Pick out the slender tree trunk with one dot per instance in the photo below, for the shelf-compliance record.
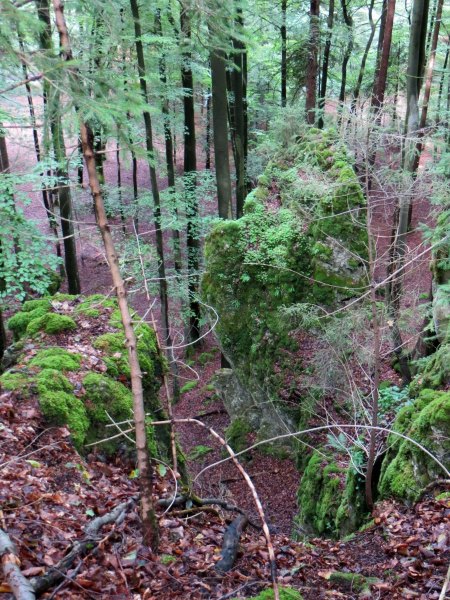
(283, 53)
(239, 120)
(49, 209)
(220, 133)
(326, 60)
(154, 181)
(4, 168)
(441, 84)
(312, 67)
(428, 81)
(190, 180)
(119, 184)
(379, 86)
(208, 132)
(362, 68)
(348, 20)
(51, 103)
(169, 150)
(150, 528)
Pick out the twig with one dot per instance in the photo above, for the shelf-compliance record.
(445, 586)
(230, 545)
(20, 586)
(56, 574)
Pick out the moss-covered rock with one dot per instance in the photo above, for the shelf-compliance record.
(116, 356)
(17, 381)
(302, 239)
(51, 323)
(62, 408)
(103, 394)
(93, 306)
(19, 322)
(236, 434)
(330, 498)
(406, 468)
(52, 380)
(353, 582)
(56, 358)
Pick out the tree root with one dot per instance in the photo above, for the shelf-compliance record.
(230, 545)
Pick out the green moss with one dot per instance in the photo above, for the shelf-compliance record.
(92, 306)
(104, 394)
(199, 452)
(285, 593)
(190, 385)
(16, 381)
(19, 322)
(59, 297)
(52, 380)
(51, 323)
(205, 357)
(167, 559)
(236, 434)
(61, 408)
(354, 582)
(56, 358)
(31, 305)
(434, 371)
(116, 355)
(406, 468)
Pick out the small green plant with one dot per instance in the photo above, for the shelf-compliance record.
(392, 399)
(199, 452)
(190, 385)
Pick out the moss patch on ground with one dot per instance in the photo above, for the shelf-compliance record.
(93, 306)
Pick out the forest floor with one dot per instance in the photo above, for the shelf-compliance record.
(404, 548)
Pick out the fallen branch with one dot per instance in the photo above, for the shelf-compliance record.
(230, 545)
(56, 574)
(20, 586)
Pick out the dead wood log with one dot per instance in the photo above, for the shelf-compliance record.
(57, 573)
(230, 544)
(20, 586)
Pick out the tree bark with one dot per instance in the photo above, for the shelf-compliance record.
(379, 86)
(220, 132)
(312, 68)
(51, 103)
(150, 528)
(190, 179)
(284, 53)
(239, 120)
(326, 60)
(362, 68)
(348, 20)
(154, 181)
(441, 84)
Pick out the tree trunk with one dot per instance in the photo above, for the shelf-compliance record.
(190, 180)
(326, 60)
(441, 84)
(283, 53)
(428, 81)
(150, 528)
(154, 181)
(348, 20)
(312, 67)
(51, 104)
(379, 86)
(239, 120)
(169, 150)
(208, 132)
(362, 68)
(220, 133)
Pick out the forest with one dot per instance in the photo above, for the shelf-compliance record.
(224, 299)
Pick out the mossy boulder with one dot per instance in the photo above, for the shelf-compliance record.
(50, 323)
(52, 380)
(18, 381)
(56, 358)
(407, 469)
(62, 408)
(93, 306)
(330, 498)
(18, 324)
(103, 395)
(236, 434)
(302, 240)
